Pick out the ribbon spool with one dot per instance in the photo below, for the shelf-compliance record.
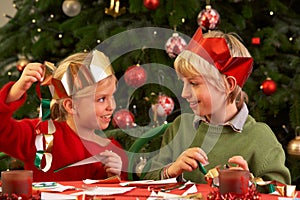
(294, 145)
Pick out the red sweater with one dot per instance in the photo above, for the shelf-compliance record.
(17, 139)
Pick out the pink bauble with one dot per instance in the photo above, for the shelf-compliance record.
(175, 45)
(135, 76)
(164, 105)
(208, 18)
(123, 119)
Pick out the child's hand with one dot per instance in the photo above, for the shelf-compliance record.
(32, 72)
(187, 161)
(112, 163)
(240, 161)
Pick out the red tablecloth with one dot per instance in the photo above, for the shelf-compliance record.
(144, 193)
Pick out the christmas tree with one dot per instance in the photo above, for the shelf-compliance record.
(45, 30)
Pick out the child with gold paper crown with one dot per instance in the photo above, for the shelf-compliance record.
(59, 149)
(213, 69)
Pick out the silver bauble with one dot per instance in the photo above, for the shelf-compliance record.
(71, 7)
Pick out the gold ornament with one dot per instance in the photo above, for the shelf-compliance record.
(114, 9)
(294, 145)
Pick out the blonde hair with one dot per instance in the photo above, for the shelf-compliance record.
(189, 64)
(57, 109)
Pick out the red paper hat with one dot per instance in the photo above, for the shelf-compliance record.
(216, 52)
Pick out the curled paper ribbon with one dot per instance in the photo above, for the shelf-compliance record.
(45, 128)
(43, 144)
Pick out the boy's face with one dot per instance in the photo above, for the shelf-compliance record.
(204, 99)
(95, 111)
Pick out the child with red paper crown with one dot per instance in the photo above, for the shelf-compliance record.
(65, 147)
(214, 68)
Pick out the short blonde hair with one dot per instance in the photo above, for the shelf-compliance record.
(189, 64)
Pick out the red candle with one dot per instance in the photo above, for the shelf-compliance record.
(17, 182)
(233, 181)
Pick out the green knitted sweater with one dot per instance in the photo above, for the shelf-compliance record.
(256, 143)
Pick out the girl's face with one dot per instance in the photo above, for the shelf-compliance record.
(95, 111)
(205, 99)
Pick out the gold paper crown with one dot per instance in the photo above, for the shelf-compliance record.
(77, 76)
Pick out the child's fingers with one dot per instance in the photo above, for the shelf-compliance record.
(240, 161)
(34, 70)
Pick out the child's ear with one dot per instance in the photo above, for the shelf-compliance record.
(68, 105)
(231, 83)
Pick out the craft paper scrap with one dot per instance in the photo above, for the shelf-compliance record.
(44, 184)
(51, 186)
(114, 179)
(92, 159)
(162, 195)
(56, 196)
(149, 182)
(103, 191)
(191, 190)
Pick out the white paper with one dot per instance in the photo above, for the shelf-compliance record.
(92, 159)
(191, 190)
(150, 182)
(162, 195)
(102, 191)
(56, 196)
(90, 181)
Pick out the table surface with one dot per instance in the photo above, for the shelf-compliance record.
(144, 193)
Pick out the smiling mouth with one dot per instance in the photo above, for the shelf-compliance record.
(193, 103)
(106, 117)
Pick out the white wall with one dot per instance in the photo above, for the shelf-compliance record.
(6, 7)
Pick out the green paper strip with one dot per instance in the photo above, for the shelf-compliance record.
(45, 109)
(271, 188)
(38, 159)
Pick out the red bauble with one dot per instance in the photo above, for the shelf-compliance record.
(151, 4)
(164, 105)
(175, 45)
(255, 41)
(208, 18)
(135, 76)
(268, 87)
(123, 119)
(21, 64)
